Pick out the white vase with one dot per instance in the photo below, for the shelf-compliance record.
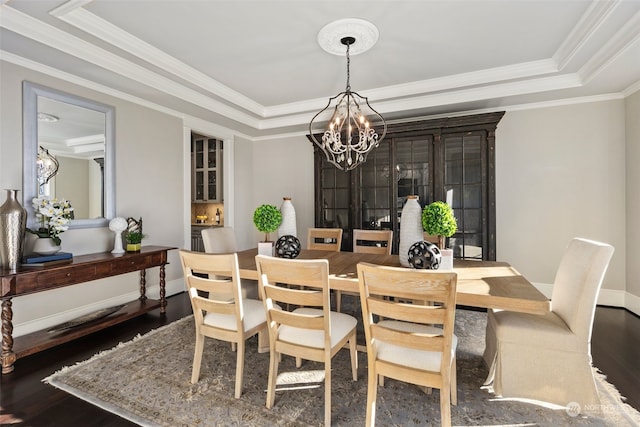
(288, 225)
(45, 246)
(410, 228)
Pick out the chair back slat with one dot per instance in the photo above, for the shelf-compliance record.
(298, 320)
(300, 297)
(428, 314)
(417, 341)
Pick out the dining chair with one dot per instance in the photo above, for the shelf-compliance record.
(325, 239)
(368, 242)
(222, 240)
(548, 357)
(372, 241)
(312, 331)
(413, 343)
(223, 315)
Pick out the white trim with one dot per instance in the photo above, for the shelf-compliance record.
(171, 287)
(612, 49)
(53, 37)
(589, 23)
(632, 303)
(186, 186)
(608, 297)
(104, 30)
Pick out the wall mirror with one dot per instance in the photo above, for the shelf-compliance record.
(69, 153)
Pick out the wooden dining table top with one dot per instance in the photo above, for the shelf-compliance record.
(484, 284)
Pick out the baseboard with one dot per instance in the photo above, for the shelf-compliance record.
(608, 297)
(171, 288)
(632, 303)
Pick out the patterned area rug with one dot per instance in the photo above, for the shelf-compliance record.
(147, 381)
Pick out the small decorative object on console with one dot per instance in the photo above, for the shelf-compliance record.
(118, 225)
(288, 246)
(133, 236)
(53, 215)
(424, 255)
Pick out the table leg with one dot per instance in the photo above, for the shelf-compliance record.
(163, 298)
(143, 285)
(8, 356)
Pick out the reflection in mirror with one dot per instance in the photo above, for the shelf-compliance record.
(69, 153)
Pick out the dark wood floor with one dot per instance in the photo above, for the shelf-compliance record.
(26, 401)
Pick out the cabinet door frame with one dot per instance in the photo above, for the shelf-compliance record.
(205, 170)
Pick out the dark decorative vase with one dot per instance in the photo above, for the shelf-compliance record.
(13, 220)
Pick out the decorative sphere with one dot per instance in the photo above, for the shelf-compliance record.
(424, 255)
(288, 246)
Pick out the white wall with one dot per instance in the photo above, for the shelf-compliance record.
(149, 181)
(281, 168)
(560, 174)
(633, 201)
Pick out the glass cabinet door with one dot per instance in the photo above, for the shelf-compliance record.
(464, 186)
(206, 177)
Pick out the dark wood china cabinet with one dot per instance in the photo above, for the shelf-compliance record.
(450, 159)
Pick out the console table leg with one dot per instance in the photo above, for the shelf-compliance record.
(143, 285)
(8, 356)
(163, 299)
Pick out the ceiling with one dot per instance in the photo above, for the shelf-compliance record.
(256, 66)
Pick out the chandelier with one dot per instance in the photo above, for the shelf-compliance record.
(350, 134)
(46, 166)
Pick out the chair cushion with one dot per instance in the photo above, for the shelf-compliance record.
(418, 359)
(254, 314)
(341, 325)
(547, 330)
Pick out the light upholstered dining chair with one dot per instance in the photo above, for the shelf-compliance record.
(548, 357)
(413, 343)
(312, 331)
(325, 239)
(224, 314)
(222, 240)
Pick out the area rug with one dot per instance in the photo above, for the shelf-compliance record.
(147, 381)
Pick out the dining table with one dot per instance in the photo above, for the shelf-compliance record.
(482, 284)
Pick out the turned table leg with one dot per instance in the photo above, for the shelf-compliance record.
(8, 356)
(163, 298)
(143, 285)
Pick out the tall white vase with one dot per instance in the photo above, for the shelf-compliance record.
(288, 225)
(410, 228)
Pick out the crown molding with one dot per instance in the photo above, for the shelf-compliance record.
(104, 30)
(48, 35)
(623, 39)
(586, 27)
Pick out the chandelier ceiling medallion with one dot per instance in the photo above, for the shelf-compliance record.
(349, 135)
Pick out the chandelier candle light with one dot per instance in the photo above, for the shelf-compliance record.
(350, 135)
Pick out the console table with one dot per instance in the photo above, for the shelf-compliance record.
(83, 268)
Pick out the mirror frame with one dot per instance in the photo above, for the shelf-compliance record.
(30, 94)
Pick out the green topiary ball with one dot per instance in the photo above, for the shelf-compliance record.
(438, 220)
(267, 218)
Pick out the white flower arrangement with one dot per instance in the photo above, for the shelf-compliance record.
(53, 215)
